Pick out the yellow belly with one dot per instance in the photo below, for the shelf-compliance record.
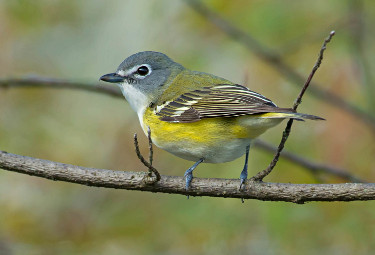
(214, 139)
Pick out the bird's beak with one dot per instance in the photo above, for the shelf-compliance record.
(112, 78)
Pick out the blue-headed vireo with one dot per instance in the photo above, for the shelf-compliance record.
(194, 115)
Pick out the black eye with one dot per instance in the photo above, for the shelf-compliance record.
(142, 70)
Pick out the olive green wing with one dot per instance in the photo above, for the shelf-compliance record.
(217, 101)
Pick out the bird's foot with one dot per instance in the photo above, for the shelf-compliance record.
(243, 177)
(188, 178)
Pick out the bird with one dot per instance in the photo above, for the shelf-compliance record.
(194, 115)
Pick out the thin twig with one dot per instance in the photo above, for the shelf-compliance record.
(287, 192)
(274, 59)
(260, 176)
(43, 82)
(315, 68)
(37, 81)
(144, 162)
(151, 150)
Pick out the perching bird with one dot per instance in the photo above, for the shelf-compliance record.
(193, 115)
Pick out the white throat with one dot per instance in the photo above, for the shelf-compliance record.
(137, 100)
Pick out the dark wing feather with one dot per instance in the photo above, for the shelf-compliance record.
(218, 101)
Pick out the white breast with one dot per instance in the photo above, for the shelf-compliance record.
(214, 153)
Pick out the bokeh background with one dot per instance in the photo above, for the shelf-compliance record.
(81, 40)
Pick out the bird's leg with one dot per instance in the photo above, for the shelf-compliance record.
(189, 173)
(243, 175)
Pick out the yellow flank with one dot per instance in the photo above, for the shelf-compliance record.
(275, 115)
(207, 131)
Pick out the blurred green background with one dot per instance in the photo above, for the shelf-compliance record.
(81, 40)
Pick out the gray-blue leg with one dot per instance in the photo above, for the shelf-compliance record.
(243, 175)
(189, 173)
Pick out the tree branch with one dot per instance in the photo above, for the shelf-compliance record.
(43, 82)
(296, 193)
(274, 60)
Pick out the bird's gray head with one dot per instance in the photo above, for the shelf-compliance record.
(146, 71)
(142, 77)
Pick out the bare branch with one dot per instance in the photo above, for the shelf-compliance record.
(274, 60)
(144, 162)
(37, 81)
(296, 193)
(43, 82)
(315, 68)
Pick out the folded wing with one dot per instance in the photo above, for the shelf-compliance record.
(217, 101)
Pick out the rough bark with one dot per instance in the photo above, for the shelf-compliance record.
(287, 192)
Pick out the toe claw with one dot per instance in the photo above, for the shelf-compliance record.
(188, 179)
(242, 182)
(243, 178)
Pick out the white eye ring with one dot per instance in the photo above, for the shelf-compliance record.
(136, 71)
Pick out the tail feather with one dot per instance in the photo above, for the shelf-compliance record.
(306, 116)
(291, 115)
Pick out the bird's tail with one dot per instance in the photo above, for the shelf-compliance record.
(290, 115)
